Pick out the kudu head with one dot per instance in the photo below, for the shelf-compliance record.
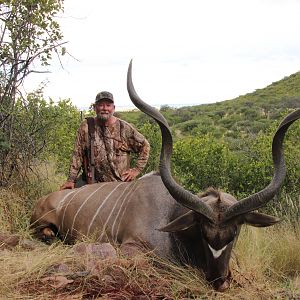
(218, 215)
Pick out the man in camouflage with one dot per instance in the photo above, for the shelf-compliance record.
(114, 141)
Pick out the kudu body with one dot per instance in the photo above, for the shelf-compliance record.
(156, 213)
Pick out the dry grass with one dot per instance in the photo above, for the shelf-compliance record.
(115, 278)
(17, 200)
(14, 214)
(275, 249)
(265, 267)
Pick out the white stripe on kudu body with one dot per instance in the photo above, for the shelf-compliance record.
(63, 218)
(99, 208)
(112, 211)
(84, 202)
(121, 218)
(61, 203)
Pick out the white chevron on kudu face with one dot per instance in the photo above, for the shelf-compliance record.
(83, 203)
(216, 253)
(100, 206)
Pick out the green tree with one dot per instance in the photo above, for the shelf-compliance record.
(61, 135)
(42, 131)
(29, 34)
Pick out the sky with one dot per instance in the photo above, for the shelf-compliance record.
(184, 52)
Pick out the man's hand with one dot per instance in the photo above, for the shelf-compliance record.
(68, 185)
(130, 174)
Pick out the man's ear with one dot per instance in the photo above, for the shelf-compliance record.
(181, 223)
(259, 220)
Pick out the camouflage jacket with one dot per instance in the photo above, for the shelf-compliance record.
(112, 148)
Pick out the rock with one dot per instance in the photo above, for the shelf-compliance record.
(103, 250)
(57, 282)
(61, 268)
(29, 244)
(8, 241)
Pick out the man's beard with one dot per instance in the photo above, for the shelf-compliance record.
(104, 117)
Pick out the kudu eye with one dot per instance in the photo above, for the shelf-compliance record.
(204, 234)
(232, 236)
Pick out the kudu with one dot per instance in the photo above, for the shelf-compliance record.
(156, 213)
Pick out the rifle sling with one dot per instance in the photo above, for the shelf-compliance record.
(91, 160)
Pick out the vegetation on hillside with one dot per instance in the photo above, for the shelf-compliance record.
(242, 117)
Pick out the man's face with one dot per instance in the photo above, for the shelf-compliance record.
(104, 110)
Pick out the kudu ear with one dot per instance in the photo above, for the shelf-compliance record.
(181, 223)
(259, 220)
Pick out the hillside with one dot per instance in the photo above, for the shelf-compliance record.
(243, 116)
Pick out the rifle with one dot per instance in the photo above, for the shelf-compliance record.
(88, 158)
(87, 170)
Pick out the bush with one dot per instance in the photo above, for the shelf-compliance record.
(152, 134)
(201, 162)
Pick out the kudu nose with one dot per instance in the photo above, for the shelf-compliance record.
(220, 283)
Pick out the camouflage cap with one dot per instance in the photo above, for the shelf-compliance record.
(104, 96)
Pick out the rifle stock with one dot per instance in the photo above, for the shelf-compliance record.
(88, 169)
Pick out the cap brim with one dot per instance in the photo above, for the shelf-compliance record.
(105, 99)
